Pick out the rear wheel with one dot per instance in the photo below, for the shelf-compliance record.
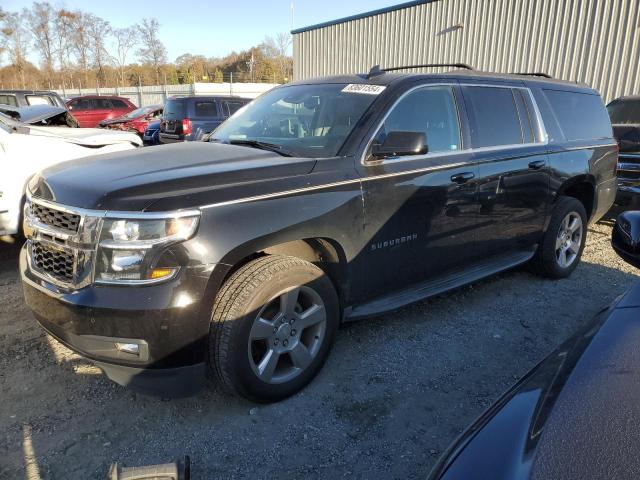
(562, 244)
(272, 327)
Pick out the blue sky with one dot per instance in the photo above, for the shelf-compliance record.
(216, 27)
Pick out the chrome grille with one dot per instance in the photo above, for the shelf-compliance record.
(53, 261)
(56, 218)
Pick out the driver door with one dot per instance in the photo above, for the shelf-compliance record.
(420, 210)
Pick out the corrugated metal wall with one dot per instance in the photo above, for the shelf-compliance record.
(592, 41)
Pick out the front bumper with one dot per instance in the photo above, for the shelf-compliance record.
(166, 320)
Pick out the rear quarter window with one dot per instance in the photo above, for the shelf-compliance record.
(119, 103)
(581, 116)
(39, 100)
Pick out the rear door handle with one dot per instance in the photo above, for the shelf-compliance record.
(537, 164)
(462, 177)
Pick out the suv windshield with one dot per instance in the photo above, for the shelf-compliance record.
(305, 120)
(624, 111)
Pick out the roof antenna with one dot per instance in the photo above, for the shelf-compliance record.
(375, 71)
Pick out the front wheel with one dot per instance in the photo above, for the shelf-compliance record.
(272, 327)
(562, 244)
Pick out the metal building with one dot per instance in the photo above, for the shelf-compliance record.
(596, 42)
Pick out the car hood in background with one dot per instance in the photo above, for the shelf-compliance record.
(575, 416)
(628, 137)
(32, 113)
(181, 175)
(91, 137)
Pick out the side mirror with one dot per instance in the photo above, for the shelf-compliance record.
(401, 143)
(625, 238)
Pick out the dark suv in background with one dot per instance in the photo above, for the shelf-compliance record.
(625, 118)
(189, 118)
(323, 201)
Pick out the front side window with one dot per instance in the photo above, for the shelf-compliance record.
(494, 116)
(431, 110)
(307, 120)
(39, 100)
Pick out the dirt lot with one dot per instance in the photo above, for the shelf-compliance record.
(394, 393)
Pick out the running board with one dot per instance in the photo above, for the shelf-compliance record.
(435, 286)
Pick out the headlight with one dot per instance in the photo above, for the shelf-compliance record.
(129, 248)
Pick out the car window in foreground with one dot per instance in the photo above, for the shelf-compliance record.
(624, 112)
(308, 120)
(431, 110)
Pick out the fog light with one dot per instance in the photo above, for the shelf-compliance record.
(132, 348)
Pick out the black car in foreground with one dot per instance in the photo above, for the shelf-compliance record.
(575, 415)
(322, 201)
(190, 118)
(625, 118)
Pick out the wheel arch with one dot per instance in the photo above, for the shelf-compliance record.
(583, 189)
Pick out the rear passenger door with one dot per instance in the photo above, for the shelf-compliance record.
(510, 147)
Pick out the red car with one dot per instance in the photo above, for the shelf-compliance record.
(136, 120)
(90, 110)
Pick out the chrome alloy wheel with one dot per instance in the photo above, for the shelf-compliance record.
(569, 240)
(287, 335)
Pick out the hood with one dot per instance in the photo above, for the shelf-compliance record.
(92, 137)
(134, 180)
(574, 416)
(32, 113)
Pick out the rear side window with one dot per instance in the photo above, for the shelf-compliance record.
(104, 104)
(494, 116)
(174, 108)
(39, 100)
(119, 103)
(8, 100)
(206, 108)
(581, 116)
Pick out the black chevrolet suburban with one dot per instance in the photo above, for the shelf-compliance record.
(323, 201)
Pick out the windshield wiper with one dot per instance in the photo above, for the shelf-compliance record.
(272, 147)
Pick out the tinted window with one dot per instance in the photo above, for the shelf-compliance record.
(581, 116)
(431, 110)
(206, 108)
(103, 104)
(624, 111)
(119, 103)
(494, 116)
(8, 100)
(81, 104)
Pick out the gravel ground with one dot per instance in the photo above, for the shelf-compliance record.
(395, 391)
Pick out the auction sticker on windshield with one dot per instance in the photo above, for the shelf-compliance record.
(364, 88)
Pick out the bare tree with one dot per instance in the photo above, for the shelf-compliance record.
(125, 40)
(81, 42)
(40, 20)
(278, 49)
(15, 39)
(98, 30)
(64, 30)
(152, 51)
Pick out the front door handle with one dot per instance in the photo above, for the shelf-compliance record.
(537, 164)
(461, 178)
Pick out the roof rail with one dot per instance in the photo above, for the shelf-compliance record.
(376, 70)
(533, 74)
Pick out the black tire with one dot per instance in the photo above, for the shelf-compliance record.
(253, 291)
(546, 262)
